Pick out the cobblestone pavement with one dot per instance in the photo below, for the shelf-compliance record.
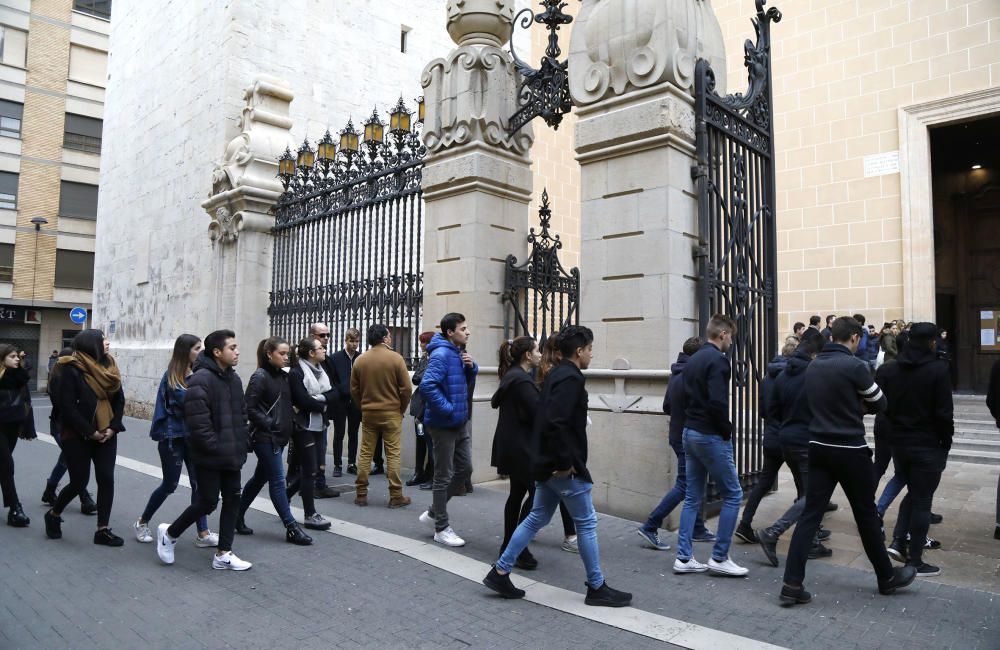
(345, 593)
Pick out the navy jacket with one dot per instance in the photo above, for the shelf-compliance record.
(788, 406)
(675, 398)
(706, 387)
(918, 387)
(840, 391)
(168, 413)
(338, 368)
(771, 425)
(445, 385)
(561, 423)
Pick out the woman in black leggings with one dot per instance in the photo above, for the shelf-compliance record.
(16, 421)
(91, 403)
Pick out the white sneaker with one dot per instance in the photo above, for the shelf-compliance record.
(727, 568)
(691, 566)
(164, 545)
(142, 532)
(570, 544)
(448, 538)
(228, 560)
(208, 541)
(426, 518)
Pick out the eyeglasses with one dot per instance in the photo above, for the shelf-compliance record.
(323, 336)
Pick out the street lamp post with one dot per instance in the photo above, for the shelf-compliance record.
(38, 223)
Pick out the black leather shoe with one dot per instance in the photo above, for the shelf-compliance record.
(502, 584)
(416, 480)
(526, 561)
(901, 577)
(768, 544)
(352, 469)
(295, 535)
(897, 550)
(831, 507)
(49, 495)
(53, 525)
(996, 532)
(936, 518)
(379, 469)
(104, 537)
(337, 472)
(87, 505)
(16, 517)
(794, 595)
(818, 550)
(242, 528)
(605, 596)
(746, 533)
(823, 534)
(327, 492)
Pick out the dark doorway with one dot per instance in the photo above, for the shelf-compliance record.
(965, 160)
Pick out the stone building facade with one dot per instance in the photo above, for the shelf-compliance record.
(53, 60)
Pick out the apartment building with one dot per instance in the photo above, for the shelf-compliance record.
(53, 72)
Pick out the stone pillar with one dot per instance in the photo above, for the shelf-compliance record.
(631, 70)
(477, 178)
(244, 189)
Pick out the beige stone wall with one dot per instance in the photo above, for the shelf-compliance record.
(841, 72)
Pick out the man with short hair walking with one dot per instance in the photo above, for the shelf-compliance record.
(708, 449)
(839, 389)
(345, 413)
(380, 386)
(445, 388)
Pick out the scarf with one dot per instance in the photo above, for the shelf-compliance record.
(104, 381)
(316, 383)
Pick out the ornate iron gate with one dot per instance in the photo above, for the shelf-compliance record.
(737, 233)
(348, 238)
(540, 294)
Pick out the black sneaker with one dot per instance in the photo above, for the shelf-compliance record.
(337, 472)
(818, 550)
(416, 479)
(295, 535)
(901, 577)
(832, 507)
(897, 550)
(327, 492)
(605, 596)
(936, 518)
(526, 561)
(53, 525)
(352, 469)
(768, 544)
(823, 534)
(925, 570)
(932, 543)
(378, 469)
(242, 528)
(746, 533)
(794, 595)
(996, 532)
(502, 584)
(49, 495)
(16, 517)
(104, 537)
(87, 505)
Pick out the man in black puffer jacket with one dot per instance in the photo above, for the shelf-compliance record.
(921, 425)
(216, 416)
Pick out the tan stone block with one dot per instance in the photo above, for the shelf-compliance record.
(900, 95)
(801, 118)
(833, 235)
(883, 120)
(892, 229)
(802, 280)
(810, 58)
(968, 37)
(832, 111)
(816, 175)
(831, 193)
(845, 170)
(864, 24)
(817, 135)
(914, 30)
(833, 279)
(884, 252)
(986, 55)
(983, 11)
(892, 16)
(943, 66)
(832, 151)
(929, 48)
(804, 198)
(889, 298)
(892, 274)
(800, 157)
(790, 261)
(963, 82)
(871, 43)
(921, 8)
(849, 212)
(804, 238)
(821, 258)
(888, 140)
(879, 208)
(892, 57)
(929, 90)
(791, 300)
(866, 276)
(850, 300)
(890, 184)
(814, 96)
(847, 256)
(864, 232)
(818, 301)
(860, 189)
(790, 219)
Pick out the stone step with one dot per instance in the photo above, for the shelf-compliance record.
(977, 457)
(969, 449)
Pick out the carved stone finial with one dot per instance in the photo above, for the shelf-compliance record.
(480, 22)
(622, 45)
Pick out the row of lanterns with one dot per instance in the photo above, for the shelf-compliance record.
(350, 140)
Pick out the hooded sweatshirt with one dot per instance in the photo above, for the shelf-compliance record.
(445, 385)
(771, 425)
(706, 387)
(787, 405)
(216, 416)
(674, 401)
(918, 387)
(514, 443)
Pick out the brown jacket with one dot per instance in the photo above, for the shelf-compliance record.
(380, 381)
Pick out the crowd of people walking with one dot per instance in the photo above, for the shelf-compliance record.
(812, 400)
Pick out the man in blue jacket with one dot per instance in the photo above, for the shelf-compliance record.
(445, 389)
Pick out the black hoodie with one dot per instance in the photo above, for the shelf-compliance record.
(771, 425)
(788, 405)
(993, 394)
(918, 387)
(706, 387)
(561, 423)
(674, 401)
(215, 413)
(514, 443)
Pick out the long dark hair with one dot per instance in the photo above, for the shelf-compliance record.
(5, 349)
(264, 350)
(512, 352)
(551, 356)
(91, 343)
(180, 361)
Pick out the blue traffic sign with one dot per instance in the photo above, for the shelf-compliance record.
(78, 315)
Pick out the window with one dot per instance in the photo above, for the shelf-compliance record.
(74, 269)
(67, 338)
(10, 118)
(82, 133)
(6, 262)
(96, 8)
(404, 35)
(88, 66)
(77, 200)
(13, 46)
(8, 191)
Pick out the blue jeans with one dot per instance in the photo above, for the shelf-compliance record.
(889, 494)
(575, 493)
(673, 498)
(271, 470)
(709, 455)
(173, 456)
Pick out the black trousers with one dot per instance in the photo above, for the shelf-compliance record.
(302, 467)
(883, 455)
(921, 468)
(8, 440)
(773, 460)
(851, 468)
(347, 420)
(80, 454)
(211, 483)
(518, 506)
(424, 465)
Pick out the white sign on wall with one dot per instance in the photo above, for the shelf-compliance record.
(882, 164)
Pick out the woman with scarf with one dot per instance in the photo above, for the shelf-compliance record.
(171, 435)
(91, 404)
(16, 421)
(311, 392)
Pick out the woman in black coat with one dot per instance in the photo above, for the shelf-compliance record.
(91, 404)
(16, 421)
(269, 408)
(513, 443)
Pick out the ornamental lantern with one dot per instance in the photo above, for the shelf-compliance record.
(306, 156)
(326, 150)
(374, 129)
(349, 138)
(399, 118)
(286, 167)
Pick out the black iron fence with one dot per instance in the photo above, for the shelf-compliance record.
(348, 237)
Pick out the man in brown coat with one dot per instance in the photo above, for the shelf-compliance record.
(380, 385)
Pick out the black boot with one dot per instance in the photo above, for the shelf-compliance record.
(526, 561)
(49, 495)
(295, 535)
(502, 584)
(605, 596)
(898, 550)
(242, 528)
(794, 595)
(87, 505)
(901, 577)
(16, 517)
(53, 525)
